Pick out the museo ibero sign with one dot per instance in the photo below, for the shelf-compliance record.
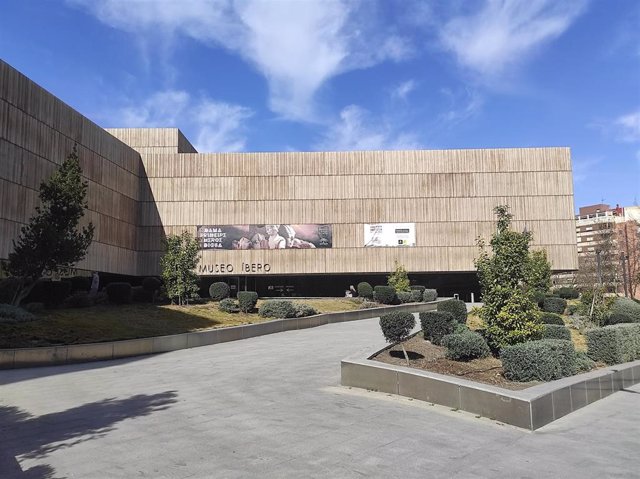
(243, 237)
(390, 234)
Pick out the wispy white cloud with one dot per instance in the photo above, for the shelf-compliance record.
(461, 106)
(297, 45)
(218, 126)
(403, 90)
(359, 129)
(583, 167)
(628, 127)
(503, 33)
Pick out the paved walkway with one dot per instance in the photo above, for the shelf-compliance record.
(272, 407)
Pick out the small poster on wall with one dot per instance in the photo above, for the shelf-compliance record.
(229, 237)
(390, 234)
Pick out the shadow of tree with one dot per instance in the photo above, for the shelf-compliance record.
(33, 437)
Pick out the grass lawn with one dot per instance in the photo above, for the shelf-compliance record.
(111, 323)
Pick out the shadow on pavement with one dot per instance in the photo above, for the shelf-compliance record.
(34, 437)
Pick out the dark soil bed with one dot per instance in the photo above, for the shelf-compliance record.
(424, 355)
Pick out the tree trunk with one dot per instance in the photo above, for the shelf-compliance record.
(405, 353)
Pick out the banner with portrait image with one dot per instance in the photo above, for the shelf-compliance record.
(230, 237)
(389, 234)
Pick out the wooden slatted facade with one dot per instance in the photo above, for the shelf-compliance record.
(147, 183)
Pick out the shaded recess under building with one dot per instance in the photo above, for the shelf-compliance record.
(342, 217)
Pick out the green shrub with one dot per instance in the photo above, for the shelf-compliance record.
(141, 295)
(51, 293)
(456, 307)
(218, 291)
(79, 299)
(583, 362)
(33, 308)
(14, 314)
(537, 297)
(416, 296)
(572, 309)
(437, 324)
(516, 321)
(554, 305)
(228, 305)
(8, 288)
(384, 294)
(465, 346)
(429, 295)
(303, 310)
(151, 284)
(80, 283)
(619, 343)
(567, 292)
(368, 305)
(551, 318)
(247, 300)
(277, 308)
(365, 290)
(624, 310)
(554, 331)
(119, 293)
(397, 326)
(398, 279)
(404, 296)
(542, 360)
(418, 287)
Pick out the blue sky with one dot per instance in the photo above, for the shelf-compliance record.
(269, 75)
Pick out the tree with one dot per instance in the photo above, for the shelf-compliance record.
(628, 240)
(52, 241)
(178, 267)
(399, 280)
(508, 313)
(539, 271)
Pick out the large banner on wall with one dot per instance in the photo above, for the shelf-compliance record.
(390, 234)
(265, 236)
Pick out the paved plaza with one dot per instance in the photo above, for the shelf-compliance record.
(272, 406)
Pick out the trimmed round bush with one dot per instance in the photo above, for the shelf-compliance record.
(418, 287)
(384, 294)
(247, 301)
(404, 296)
(465, 346)
(429, 295)
(456, 307)
(33, 308)
(365, 290)
(51, 293)
(537, 297)
(151, 284)
(583, 362)
(551, 318)
(554, 305)
(619, 343)
(219, 290)
(397, 326)
(416, 296)
(303, 310)
(624, 310)
(80, 283)
(141, 295)
(79, 299)
(437, 324)
(554, 331)
(14, 314)
(119, 293)
(228, 305)
(541, 360)
(567, 292)
(277, 308)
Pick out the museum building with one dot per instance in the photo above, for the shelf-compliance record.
(280, 223)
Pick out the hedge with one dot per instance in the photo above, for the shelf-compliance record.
(228, 305)
(397, 326)
(14, 314)
(465, 346)
(554, 305)
(583, 362)
(119, 293)
(247, 301)
(456, 307)
(538, 297)
(437, 324)
(151, 284)
(542, 360)
(418, 287)
(79, 299)
(80, 283)
(365, 290)
(567, 292)
(624, 310)
(218, 291)
(404, 296)
(551, 318)
(277, 308)
(384, 294)
(141, 295)
(303, 310)
(554, 331)
(416, 296)
(619, 343)
(429, 295)
(51, 293)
